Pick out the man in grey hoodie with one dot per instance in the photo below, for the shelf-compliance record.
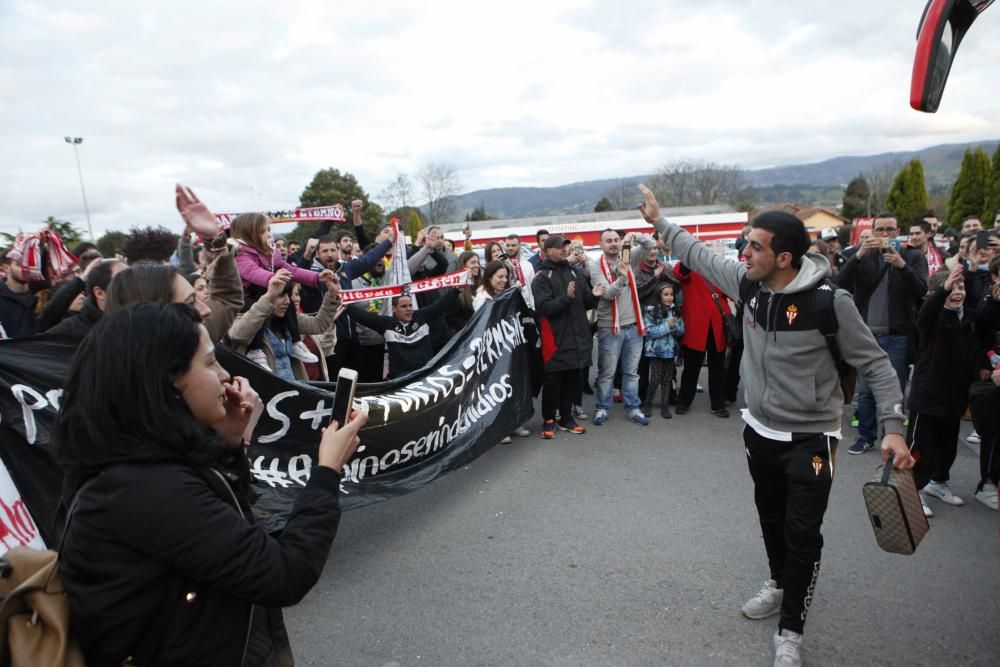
(794, 401)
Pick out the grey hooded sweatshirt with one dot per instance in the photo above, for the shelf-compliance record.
(792, 384)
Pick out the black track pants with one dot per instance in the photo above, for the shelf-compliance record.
(792, 483)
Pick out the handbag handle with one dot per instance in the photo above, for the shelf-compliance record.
(887, 469)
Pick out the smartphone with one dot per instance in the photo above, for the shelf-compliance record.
(343, 399)
(983, 238)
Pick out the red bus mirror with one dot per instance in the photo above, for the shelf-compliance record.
(942, 27)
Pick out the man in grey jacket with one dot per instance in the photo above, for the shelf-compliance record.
(794, 401)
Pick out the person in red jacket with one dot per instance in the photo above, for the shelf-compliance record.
(702, 311)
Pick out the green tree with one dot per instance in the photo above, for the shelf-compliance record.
(908, 196)
(414, 224)
(329, 187)
(603, 205)
(993, 190)
(111, 243)
(968, 194)
(856, 198)
(65, 230)
(479, 213)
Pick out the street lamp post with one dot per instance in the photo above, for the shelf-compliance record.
(76, 141)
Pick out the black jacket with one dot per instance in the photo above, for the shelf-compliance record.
(567, 341)
(163, 554)
(79, 325)
(907, 286)
(17, 313)
(977, 285)
(409, 344)
(946, 359)
(57, 308)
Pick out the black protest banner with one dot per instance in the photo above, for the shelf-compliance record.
(473, 393)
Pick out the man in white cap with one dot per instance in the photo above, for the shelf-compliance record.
(832, 241)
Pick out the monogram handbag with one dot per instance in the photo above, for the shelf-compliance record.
(894, 509)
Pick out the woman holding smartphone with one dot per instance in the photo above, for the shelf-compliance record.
(161, 561)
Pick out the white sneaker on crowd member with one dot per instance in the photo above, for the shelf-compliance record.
(973, 438)
(943, 493)
(928, 512)
(506, 441)
(302, 353)
(988, 496)
(787, 649)
(578, 412)
(521, 432)
(767, 601)
(258, 357)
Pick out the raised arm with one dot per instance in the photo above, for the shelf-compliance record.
(725, 273)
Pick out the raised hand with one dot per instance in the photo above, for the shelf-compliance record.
(953, 277)
(571, 289)
(195, 214)
(649, 208)
(276, 285)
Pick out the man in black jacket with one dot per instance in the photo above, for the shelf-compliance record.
(96, 280)
(561, 302)
(888, 286)
(407, 333)
(17, 303)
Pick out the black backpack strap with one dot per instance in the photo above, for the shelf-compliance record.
(826, 315)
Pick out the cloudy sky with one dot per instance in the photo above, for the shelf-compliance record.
(245, 101)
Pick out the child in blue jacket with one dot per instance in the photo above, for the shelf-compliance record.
(664, 328)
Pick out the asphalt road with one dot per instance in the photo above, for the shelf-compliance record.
(636, 545)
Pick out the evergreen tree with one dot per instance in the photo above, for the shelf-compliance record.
(603, 205)
(968, 194)
(856, 198)
(414, 225)
(993, 191)
(111, 243)
(329, 187)
(908, 196)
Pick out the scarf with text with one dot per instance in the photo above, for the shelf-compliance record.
(456, 279)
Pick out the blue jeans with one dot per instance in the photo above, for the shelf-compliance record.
(627, 345)
(896, 347)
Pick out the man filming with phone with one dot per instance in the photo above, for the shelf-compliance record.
(888, 283)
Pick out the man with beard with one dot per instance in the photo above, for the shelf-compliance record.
(562, 297)
(618, 331)
(329, 255)
(794, 400)
(17, 303)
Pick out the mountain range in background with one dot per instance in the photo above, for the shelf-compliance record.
(817, 184)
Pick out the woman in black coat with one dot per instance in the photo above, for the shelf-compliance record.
(161, 560)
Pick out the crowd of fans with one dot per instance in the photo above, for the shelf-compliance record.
(932, 303)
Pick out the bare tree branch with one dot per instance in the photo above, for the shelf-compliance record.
(441, 185)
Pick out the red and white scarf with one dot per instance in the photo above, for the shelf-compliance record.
(456, 279)
(515, 262)
(633, 294)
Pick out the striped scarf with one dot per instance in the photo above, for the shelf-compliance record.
(633, 294)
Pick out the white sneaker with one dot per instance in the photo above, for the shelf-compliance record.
(302, 353)
(258, 357)
(988, 496)
(506, 440)
(943, 493)
(787, 648)
(923, 503)
(767, 601)
(521, 432)
(973, 438)
(578, 412)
